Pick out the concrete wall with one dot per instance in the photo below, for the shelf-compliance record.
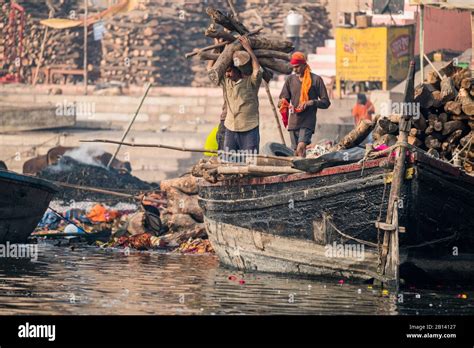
(174, 116)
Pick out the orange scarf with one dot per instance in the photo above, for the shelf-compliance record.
(305, 86)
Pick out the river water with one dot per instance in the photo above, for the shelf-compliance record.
(89, 280)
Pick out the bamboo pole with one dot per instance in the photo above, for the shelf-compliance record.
(107, 192)
(272, 103)
(129, 125)
(35, 78)
(86, 4)
(184, 149)
(422, 42)
(432, 66)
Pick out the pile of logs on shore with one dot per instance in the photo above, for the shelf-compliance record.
(58, 48)
(273, 53)
(445, 125)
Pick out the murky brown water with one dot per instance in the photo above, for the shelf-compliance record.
(89, 280)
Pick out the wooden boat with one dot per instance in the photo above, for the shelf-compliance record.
(304, 224)
(23, 201)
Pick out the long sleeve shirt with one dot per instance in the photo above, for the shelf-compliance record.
(317, 93)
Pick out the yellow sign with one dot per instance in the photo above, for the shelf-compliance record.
(361, 54)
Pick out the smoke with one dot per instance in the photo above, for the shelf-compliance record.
(86, 154)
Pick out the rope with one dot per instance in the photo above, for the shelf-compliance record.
(353, 238)
(464, 147)
(431, 242)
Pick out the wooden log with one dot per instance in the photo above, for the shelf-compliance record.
(219, 45)
(423, 96)
(429, 130)
(214, 33)
(264, 53)
(467, 104)
(453, 107)
(413, 140)
(433, 79)
(388, 126)
(438, 125)
(454, 137)
(355, 136)
(452, 126)
(378, 132)
(468, 166)
(470, 137)
(432, 143)
(276, 65)
(437, 99)
(466, 83)
(229, 22)
(448, 90)
(459, 76)
(420, 123)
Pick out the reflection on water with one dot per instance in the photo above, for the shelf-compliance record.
(88, 280)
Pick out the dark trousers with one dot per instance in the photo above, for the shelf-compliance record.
(302, 135)
(236, 141)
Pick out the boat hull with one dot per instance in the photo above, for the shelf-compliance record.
(254, 251)
(23, 201)
(308, 213)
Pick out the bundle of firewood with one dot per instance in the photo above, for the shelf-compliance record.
(272, 53)
(445, 125)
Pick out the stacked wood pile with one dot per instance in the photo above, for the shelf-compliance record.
(445, 125)
(62, 48)
(148, 45)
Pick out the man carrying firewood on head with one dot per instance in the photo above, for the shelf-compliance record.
(307, 93)
(241, 99)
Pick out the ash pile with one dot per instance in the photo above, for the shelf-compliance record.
(79, 168)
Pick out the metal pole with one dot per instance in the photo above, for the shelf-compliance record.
(85, 46)
(422, 44)
(129, 125)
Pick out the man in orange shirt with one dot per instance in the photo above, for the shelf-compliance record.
(363, 110)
